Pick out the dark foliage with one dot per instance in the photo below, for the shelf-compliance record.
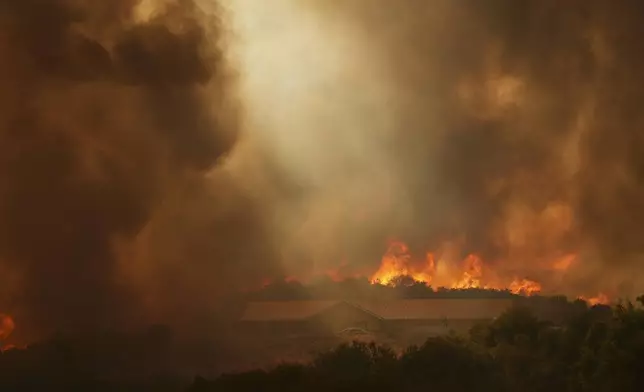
(597, 349)
(151, 360)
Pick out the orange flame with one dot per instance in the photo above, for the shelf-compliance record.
(472, 275)
(600, 299)
(7, 326)
(524, 287)
(441, 269)
(397, 262)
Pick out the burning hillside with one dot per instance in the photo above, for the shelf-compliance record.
(435, 269)
(400, 268)
(7, 325)
(439, 270)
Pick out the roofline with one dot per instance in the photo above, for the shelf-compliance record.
(363, 309)
(357, 306)
(351, 304)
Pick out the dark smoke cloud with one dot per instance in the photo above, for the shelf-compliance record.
(106, 120)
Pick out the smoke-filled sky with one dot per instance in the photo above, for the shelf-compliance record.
(504, 128)
(157, 154)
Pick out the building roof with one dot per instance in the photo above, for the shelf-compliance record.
(409, 309)
(284, 310)
(428, 309)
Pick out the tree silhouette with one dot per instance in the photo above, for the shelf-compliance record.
(596, 349)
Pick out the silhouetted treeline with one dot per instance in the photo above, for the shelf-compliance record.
(151, 360)
(515, 352)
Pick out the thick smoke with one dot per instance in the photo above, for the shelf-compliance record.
(505, 128)
(529, 107)
(113, 115)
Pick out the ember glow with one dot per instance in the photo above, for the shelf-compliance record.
(600, 299)
(7, 326)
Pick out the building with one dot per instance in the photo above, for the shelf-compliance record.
(307, 317)
(423, 317)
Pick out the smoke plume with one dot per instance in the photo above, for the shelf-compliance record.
(503, 128)
(112, 117)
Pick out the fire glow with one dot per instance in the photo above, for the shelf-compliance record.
(7, 325)
(600, 299)
(399, 267)
(398, 262)
(470, 273)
